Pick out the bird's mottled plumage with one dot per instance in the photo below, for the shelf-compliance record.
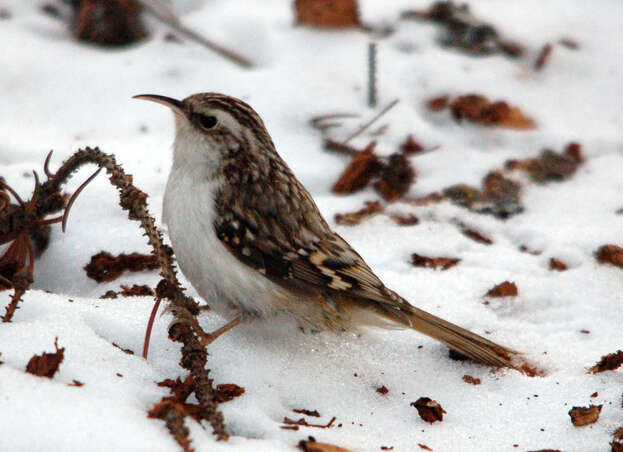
(251, 240)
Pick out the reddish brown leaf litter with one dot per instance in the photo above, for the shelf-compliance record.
(504, 289)
(424, 446)
(303, 423)
(443, 263)
(327, 13)
(127, 351)
(525, 249)
(610, 254)
(371, 208)
(396, 177)
(108, 22)
(311, 445)
(617, 440)
(106, 267)
(46, 364)
(411, 146)
(610, 361)
(358, 174)
(543, 57)
(228, 391)
(438, 103)
(382, 390)
(476, 236)
(477, 108)
(550, 166)
(313, 413)
(136, 291)
(76, 383)
(405, 220)
(581, 416)
(173, 414)
(557, 265)
(387, 447)
(463, 30)
(428, 409)
(471, 380)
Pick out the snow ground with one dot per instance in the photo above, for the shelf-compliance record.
(62, 95)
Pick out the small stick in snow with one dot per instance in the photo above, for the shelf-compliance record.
(391, 105)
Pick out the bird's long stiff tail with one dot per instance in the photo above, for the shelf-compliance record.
(458, 339)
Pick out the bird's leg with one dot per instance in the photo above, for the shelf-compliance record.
(209, 338)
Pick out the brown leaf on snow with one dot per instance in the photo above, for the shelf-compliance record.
(327, 13)
(550, 166)
(357, 175)
(617, 440)
(610, 254)
(610, 361)
(477, 108)
(471, 380)
(46, 364)
(396, 178)
(434, 262)
(311, 445)
(505, 289)
(106, 267)
(228, 391)
(429, 410)
(557, 265)
(371, 208)
(581, 416)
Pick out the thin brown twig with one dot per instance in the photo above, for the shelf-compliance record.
(172, 22)
(391, 105)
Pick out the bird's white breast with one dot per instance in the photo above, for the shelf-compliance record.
(224, 282)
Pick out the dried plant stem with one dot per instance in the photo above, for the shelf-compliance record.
(185, 328)
(174, 23)
(372, 91)
(391, 105)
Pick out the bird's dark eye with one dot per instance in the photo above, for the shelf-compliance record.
(207, 121)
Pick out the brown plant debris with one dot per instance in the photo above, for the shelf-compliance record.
(471, 380)
(327, 13)
(106, 267)
(410, 146)
(550, 166)
(173, 414)
(424, 446)
(127, 351)
(358, 174)
(405, 220)
(313, 413)
(543, 56)
(434, 262)
(610, 254)
(108, 22)
(499, 196)
(228, 391)
(429, 410)
(569, 43)
(51, 10)
(617, 440)
(581, 416)
(76, 383)
(611, 361)
(382, 390)
(136, 291)
(185, 329)
(46, 364)
(311, 445)
(557, 265)
(463, 30)
(370, 209)
(477, 108)
(303, 423)
(438, 103)
(475, 235)
(504, 289)
(396, 178)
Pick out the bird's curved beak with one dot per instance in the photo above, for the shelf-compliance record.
(174, 104)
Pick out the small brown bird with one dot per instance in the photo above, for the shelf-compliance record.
(250, 239)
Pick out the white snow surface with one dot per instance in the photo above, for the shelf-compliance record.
(60, 94)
